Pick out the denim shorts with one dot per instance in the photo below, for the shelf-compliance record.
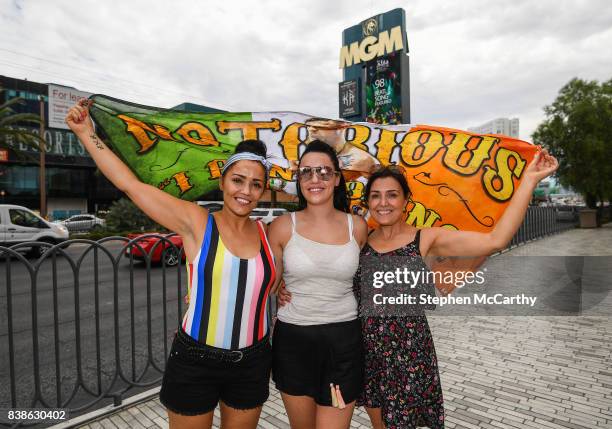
(196, 379)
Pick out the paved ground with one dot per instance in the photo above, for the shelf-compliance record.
(497, 372)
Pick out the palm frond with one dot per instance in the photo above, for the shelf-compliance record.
(8, 118)
(7, 105)
(19, 117)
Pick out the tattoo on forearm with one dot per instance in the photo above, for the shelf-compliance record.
(97, 142)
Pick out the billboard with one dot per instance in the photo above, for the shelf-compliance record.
(61, 99)
(375, 53)
(383, 90)
(350, 103)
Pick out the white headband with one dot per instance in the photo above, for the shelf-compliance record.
(248, 156)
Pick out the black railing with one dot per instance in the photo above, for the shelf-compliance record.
(87, 325)
(543, 221)
(84, 324)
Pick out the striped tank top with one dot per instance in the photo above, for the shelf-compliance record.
(228, 296)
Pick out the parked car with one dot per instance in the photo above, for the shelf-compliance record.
(267, 215)
(82, 223)
(170, 256)
(567, 213)
(19, 225)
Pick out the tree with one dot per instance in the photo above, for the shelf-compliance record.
(124, 216)
(577, 130)
(9, 119)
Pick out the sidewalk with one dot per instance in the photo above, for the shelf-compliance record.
(497, 372)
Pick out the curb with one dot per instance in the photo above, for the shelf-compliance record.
(109, 409)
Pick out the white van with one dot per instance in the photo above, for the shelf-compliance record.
(19, 224)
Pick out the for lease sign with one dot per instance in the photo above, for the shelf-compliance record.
(61, 99)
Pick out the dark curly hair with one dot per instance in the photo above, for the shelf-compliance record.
(388, 171)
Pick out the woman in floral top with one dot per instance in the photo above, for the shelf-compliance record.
(402, 382)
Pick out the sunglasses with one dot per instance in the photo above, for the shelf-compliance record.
(323, 173)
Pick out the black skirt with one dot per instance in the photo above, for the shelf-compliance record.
(307, 359)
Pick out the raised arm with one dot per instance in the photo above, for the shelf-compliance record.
(466, 243)
(173, 213)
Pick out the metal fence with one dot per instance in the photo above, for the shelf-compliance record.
(87, 324)
(543, 221)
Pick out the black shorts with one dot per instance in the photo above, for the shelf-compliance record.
(308, 358)
(194, 385)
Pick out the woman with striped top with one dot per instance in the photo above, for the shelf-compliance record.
(221, 352)
(231, 291)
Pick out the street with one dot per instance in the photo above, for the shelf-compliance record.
(70, 306)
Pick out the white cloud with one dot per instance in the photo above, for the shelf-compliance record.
(471, 61)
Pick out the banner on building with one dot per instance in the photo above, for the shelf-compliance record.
(61, 99)
(458, 179)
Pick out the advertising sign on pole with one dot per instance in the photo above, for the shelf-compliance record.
(375, 53)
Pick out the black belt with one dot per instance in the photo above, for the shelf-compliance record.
(198, 350)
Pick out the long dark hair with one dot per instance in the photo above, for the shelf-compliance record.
(341, 201)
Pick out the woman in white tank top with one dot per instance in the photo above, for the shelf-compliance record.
(317, 343)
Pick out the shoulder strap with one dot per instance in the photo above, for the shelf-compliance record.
(210, 227)
(292, 222)
(350, 226)
(260, 228)
(417, 240)
(264, 242)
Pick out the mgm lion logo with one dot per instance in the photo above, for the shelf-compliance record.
(370, 27)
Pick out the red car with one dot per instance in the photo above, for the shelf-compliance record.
(171, 255)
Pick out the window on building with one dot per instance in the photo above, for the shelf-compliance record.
(67, 182)
(19, 180)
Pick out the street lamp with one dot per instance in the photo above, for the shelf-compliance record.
(2, 194)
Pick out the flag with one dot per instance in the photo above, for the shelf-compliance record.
(458, 179)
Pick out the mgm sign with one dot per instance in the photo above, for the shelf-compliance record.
(374, 63)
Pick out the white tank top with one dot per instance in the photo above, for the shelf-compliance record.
(320, 279)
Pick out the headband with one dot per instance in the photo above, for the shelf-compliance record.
(248, 156)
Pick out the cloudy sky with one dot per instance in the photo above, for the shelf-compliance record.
(471, 60)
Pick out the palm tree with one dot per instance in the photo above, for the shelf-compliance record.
(9, 119)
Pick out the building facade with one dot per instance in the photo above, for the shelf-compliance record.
(73, 183)
(503, 126)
